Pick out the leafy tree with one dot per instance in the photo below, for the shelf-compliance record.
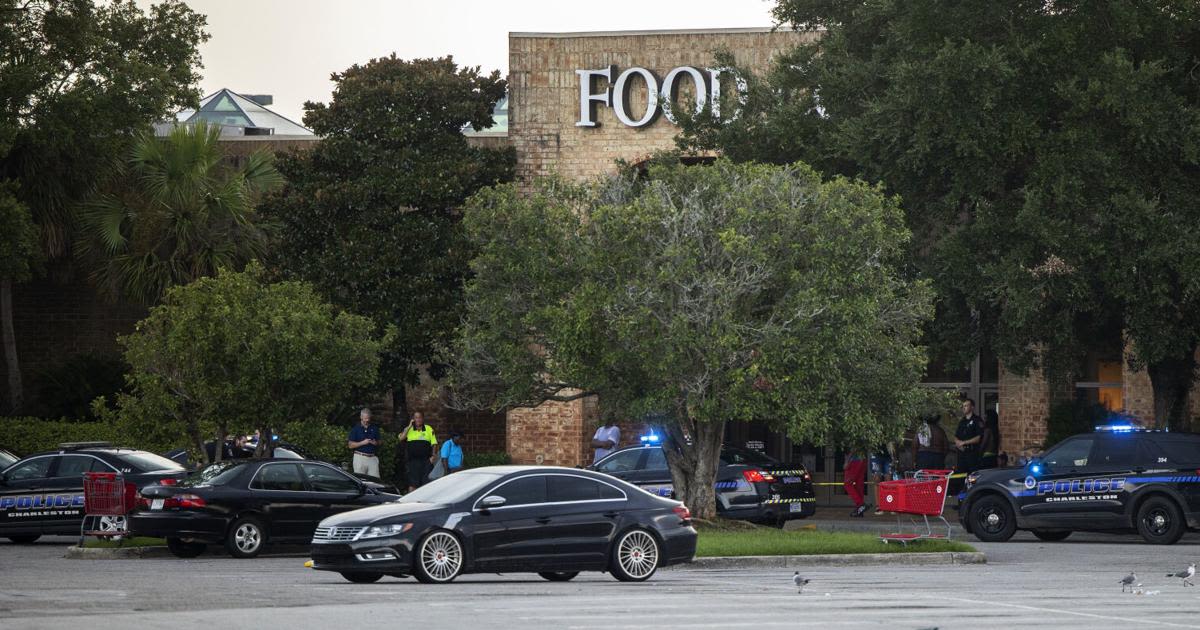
(1047, 153)
(18, 254)
(241, 353)
(174, 212)
(77, 78)
(369, 215)
(702, 294)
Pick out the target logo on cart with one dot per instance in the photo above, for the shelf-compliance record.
(889, 498)
(939, 489)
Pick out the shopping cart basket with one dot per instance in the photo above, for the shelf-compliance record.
(107, 499)
(921, 493)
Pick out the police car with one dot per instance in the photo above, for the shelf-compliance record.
(43, 493)
(1118, 479)
(750, 485)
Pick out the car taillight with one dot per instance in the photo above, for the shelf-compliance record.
(168, 481)
(184, 501)
(684, 513)
(755, 476)
(143, 503)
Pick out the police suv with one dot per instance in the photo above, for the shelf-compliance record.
(1118, 479)
(43, 493)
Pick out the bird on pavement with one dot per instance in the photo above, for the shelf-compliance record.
(799, 581)
(1128, 581)
(1186, 575)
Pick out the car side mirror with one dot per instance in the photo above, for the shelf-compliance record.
(493, 501)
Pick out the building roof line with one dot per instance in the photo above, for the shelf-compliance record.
(682, 31)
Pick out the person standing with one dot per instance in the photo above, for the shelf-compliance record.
(364, 441)
(854, 472)
(968, 437)
(419, 441)
(605, 440)
(882, 468)
(452, 453)
(930, 445)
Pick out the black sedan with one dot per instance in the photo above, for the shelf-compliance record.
(750, 485)
(245, 504)
(282, 450)
(552, 521)
(43, 493)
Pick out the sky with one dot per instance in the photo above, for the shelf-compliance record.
(288, 48)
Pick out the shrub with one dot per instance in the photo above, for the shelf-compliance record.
(487, 458)
(68, 389)
(1071, 417)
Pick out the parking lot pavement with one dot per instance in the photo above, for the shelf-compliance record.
(1071, 584)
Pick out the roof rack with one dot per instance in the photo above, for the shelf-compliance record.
(72, 446)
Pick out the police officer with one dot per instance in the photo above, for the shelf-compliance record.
(419, 442)
(363, 440)
(967, 438)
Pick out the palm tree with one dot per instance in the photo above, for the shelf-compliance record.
(174, 212)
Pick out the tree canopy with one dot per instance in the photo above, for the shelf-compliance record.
(369, 215)
(1046, 154)
(704, 294)
(242, 353)
(174, 211)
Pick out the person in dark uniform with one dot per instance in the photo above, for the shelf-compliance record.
(968, 437)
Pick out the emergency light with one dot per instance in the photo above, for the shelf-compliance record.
(650, 438)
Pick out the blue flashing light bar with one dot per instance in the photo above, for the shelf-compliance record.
(1116, 428)
(650, 438)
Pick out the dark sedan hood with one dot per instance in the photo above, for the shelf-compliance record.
(375, 513)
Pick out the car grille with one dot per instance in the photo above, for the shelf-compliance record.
(335, 534)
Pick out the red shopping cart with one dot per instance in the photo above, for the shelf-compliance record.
(921, 493)
(107, 499)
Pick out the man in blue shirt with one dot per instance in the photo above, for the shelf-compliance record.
(363, 440)
(452, 453)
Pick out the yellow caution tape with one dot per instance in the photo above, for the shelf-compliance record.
(871, 483)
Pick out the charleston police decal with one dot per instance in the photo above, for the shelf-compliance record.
(1070, 490)
(37, 505)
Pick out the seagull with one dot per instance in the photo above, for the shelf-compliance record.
(799, 581)
(1129, 581)
(1186, 575)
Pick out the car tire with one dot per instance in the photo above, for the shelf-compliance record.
(558, 576)
(635, 556)
(362, 577)
(1159, 521)
(24, 539)
(185, 548)
(246, 538)
(992, 519)
(438, 558)
(1042, 534)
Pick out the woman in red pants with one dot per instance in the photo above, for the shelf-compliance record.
(855, 480)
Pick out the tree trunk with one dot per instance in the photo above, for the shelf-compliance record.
(1172, 381)
(16, 397)
(694, 466)
(193, 431)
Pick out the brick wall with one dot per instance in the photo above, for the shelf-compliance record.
(54, 322)
(550, 434)
(544, 91)
(1024, 407)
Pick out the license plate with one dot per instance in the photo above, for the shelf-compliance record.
(156, 504)
(796, 507)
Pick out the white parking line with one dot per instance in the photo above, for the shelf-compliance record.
(1060, 611)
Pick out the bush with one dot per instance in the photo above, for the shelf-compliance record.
(1072, 417)
(487, 458)
(26, 435)
(68, 389)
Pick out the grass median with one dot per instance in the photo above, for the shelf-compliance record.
(136, 541)
(723, 540)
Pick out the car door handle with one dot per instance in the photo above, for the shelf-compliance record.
(611, 514)
(543, 520)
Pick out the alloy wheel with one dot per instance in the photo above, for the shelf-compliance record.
(638, 554)
(441, 556)
(247, 537)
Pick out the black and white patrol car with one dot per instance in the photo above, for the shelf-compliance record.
(43, 493)
(1118, 479)
(750, 485)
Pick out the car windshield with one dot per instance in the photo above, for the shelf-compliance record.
(141, 461)
(451, 488)
(733, 455)
(217, 474)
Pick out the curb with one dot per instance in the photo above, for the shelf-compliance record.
(116, 553)
(845, 559)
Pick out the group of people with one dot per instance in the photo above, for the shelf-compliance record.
(421, 455)
(976, 442)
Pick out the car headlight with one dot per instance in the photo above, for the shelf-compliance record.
(379, 531)
(972, 478)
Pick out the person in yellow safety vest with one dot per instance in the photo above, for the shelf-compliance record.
(419, 442)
